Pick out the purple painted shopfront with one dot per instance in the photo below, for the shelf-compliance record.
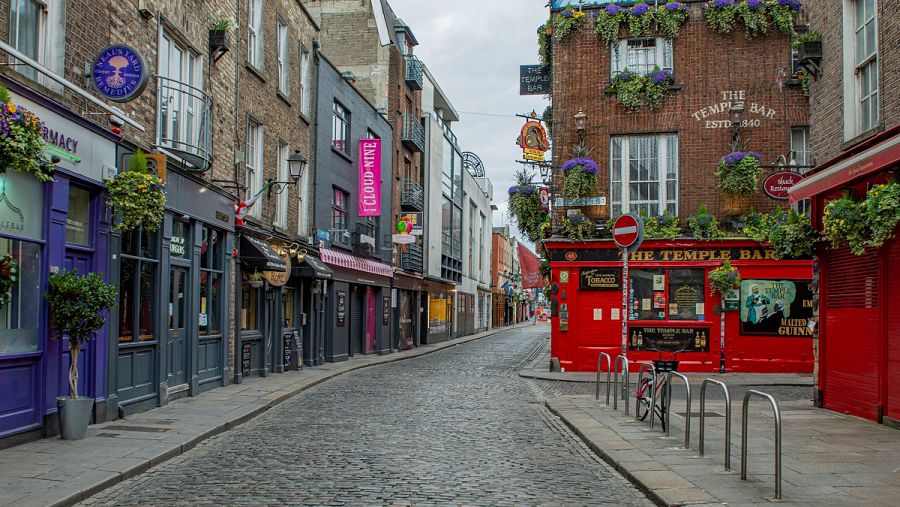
(46, 227)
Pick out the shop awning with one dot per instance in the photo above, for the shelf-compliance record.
(258, 254)
(348, 261)
(837, 173)
(312, 267)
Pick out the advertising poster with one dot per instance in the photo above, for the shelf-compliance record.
(776, 308)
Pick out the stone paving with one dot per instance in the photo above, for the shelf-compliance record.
(455, 427)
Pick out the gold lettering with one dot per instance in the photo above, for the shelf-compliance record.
(757, 256)
(745, 255)
(725, 255)
(666, 254)
(678, 255)
(690, 255)
(770, 255)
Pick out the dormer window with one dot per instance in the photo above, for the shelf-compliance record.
(403, 43)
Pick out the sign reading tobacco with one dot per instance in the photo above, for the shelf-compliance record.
(601, 279)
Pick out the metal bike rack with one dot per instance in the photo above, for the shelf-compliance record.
(777, 411)
(727, 417)
(621, 366)
(637, 402)
(687, 416)
(608, 373)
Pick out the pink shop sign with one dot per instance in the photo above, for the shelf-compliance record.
(370, 177)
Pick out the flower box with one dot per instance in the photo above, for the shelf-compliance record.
(219, 43)
(810, 51)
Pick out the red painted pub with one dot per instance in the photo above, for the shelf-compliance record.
(672, 314)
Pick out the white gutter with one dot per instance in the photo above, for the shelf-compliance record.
(118, 113)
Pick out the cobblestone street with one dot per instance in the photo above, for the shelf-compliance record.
(454, 427)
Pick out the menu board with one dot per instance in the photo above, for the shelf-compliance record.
(288, 350)
(246, 362)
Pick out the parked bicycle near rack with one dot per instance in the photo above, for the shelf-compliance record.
(659, 391)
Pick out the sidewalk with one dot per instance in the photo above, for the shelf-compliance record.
(61, 472)
(828, 458)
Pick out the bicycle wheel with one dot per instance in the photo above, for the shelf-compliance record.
(643, 407)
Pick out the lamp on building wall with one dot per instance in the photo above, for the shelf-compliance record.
(737, 109)
(296, 165)
(580, 120)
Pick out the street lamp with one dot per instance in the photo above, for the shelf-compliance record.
(296, 165)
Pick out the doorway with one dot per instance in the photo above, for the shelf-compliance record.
(177, 344)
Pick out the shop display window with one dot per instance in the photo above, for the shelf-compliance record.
(249, 306)
(288, 306)
(137, 285)
(668, 294)
(19, 322)
(211, 279)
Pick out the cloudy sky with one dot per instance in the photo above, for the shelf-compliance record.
(474, 48)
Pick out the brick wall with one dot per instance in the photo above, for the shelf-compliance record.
(707, 65)
(279, 114)
(827, 97)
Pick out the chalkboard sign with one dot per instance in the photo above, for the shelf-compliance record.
(386, 318)
(246, 363)
(288, 350)
(534, 80)
(341, 308)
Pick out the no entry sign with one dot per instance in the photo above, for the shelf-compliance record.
(628, 231)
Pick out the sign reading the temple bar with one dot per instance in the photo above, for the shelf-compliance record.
(778, 184)
(370, 177)
(119, 73)
(711, 115)
(534, 80)
(601, 279)
(663, 255)
(671, 339)
(776, 308)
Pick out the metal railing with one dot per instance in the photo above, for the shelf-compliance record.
(727, 418)
(687, 413)
(414, 72)
(777, 410)
(608, 374)
(621, 365)
(637, 401)
(411, 259)
(413, 133)
(184, 122)
(412, 194)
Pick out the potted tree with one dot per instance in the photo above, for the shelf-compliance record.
(77, 303)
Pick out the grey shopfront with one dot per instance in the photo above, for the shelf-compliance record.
(171, 322)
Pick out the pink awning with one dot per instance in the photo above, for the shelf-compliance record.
(345, 260)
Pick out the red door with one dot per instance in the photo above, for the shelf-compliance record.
(852, 333)
(892, 373)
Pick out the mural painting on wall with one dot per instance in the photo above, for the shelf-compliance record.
(776, 308)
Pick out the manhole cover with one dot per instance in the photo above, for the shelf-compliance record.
(138, 428)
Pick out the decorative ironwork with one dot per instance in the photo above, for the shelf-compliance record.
(413, 134)
(414, 72)
(183, 126)
(473, 164)
(412, 195)
(412, 258)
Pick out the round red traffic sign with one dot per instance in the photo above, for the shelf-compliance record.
(627, 231)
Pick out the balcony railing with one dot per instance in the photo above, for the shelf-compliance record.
(412, 259)
(413, 72)
(183, 126)
(412, 195)
(413, 134)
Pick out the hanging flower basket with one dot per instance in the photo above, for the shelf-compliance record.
(865, 224)
(525, 209)
(580, 178)
(21, 140)
(635, 90)
(724, 279)
(738, 173)
(9, 275)
(138, 195)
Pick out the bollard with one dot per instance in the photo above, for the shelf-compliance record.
(621, 365)
(608, 372)
(727, 418)
(777, 411)
(637, 402)
(687, 418)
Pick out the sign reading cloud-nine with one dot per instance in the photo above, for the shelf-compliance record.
(119, 73)
(776, 308)
(370, 177)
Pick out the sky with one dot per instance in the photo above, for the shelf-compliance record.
(473, 48)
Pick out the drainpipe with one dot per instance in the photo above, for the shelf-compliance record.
(238, 297)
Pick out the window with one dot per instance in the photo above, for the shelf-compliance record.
(668, 295)
(254, 165)
(866, 59)
(78, 222)
(249, 304)
(340, 129)
(473, 241)
(284, 67)
(401, 43)
(287, 308)
(641, 55)
(644, 174)
(181, 109)
(211, 279)
(137, 284)
(254, 33)
(19, 329)
(482, 271)
(800, 156)
(180, 245)
(339, 215)
(281, 200)
(305, 76)
(37, 28)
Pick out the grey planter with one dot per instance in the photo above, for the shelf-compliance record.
(74, 416)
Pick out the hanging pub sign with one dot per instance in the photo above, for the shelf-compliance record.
(370, 177)
(119, 73)
(776, 308)
(778, 184)
(534, 80)
(533, 140)
(601, 279)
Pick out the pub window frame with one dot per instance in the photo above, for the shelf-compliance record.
(212, 262)
(138, 235)
(700, 273)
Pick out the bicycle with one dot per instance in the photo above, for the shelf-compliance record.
(642, 393)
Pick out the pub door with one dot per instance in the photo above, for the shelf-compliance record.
(177, 353)
(80, 261)
(371, 313)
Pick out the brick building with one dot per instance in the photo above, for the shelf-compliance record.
(855, 137)
(653, 160)
(372, 45)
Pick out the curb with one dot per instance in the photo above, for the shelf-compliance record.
(150, 463)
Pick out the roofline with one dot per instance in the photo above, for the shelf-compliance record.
(322, 56)
(309, 16)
